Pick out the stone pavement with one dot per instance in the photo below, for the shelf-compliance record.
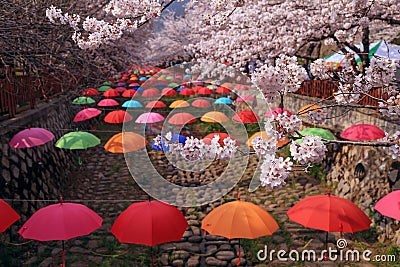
(105, 185)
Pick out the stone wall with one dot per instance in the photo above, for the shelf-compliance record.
(37, 173)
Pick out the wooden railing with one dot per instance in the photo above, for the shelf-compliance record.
(326, 88)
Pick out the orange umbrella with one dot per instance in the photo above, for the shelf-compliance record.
(117, 116)
(179, 104)
(239, 219)
(182, 118)
(264, 136)
(214, 116)
(125, 142)
(308, 108)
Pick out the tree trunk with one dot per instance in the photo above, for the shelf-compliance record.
(365, 55)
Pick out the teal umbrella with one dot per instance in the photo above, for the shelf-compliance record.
(132, 104)
(317, 132)
(77, 140)
(224, 100)
(83, 100)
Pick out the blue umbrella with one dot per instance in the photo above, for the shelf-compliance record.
(138, 89)
(175, 138)
(223, 100)
(180, 89)
(142, 78)
(132, 104)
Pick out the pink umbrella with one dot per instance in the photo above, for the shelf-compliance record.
(201, 103)
(86, 114)
(274, 112)
(107, 103)
(245, 98)
(389, 205)
(363, 132)
(152, 92)
(149, 117)
(241, 87)
(31, 137)
(181, 118)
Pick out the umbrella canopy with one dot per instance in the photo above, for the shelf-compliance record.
(205, 91)
(362, 132)
(61, 221)
(125, 142)
(152, 92)
(389, 205)
(214, 116)
(31, 137)
(120, 89)
(103, 88)
(156, 104)
(8, 216)
(83, 100)
(318, 132)
(224, 101)
(111, 93)
(264, 136)
(181, 118)
(241, 87)
(168, 92)
(276, 111)
(86, 114)
(159, 223)
(77, 140)
(245, 116)
(223, 90)
(207, 139)
(245, 98)
(118, 116)
(201, 103)
(149, 117)
(90, 91)
(330, 214)
(239, 219)
(107, 103)
(187, 92)
(308, 108)
(175, 138)
(130, 93)
(132, 104)
(134, 85)
(173, 85)
(179, 104)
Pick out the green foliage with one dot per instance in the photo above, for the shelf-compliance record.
(316, 171)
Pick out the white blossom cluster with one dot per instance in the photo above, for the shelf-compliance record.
(274, 171)
(134, 8)
(311, 150)
(380, 73)
(317, 116)
(264, 147)
(286, 76)
(290, 124)
(320, 69)
(393, 150)
(391, 107)
(209, 70)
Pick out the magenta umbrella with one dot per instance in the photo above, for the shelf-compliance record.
(31, 137)
(61, 221)
(86, 114)
(108, 103)
(389, 205)
(149, 117)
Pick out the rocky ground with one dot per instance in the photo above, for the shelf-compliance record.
(104, 184)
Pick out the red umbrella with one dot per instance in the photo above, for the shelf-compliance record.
(120, 89)
(90, 91)
(168, 92)
(8, 216)
(111, 93)
(86, 114)
(330, 214)
(130, 93)
(149, 223)
(245, 116)
(107, 103)
(118, 116)
(276, 111)
(31, 137)
(245, 98)
(222, 90)
(181, 118)
(207, 139)
(61, 221)
(156, 104)
(205, 91)
(389, 205)
(152, 92)
(187, 92)
(362, 132)
(201, 103)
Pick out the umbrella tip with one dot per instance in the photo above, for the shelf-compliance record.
(329, 192)
(238, 196)
(61, 200)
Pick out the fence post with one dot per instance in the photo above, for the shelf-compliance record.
(9, 88)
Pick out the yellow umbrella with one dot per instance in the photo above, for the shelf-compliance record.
(179, 104)
(214, 116)
(308, 108)
(125, 142)
(264, 136)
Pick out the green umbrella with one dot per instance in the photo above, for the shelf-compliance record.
(83, 100)
(110, 83)
(317, 132)
(103, 88)
(173, 85)
(77, 140)
(169, 78)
